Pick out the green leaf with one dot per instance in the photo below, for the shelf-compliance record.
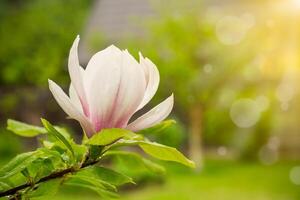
(94, 181)
(48, 189)
(51, 130)
(167, 153)
(106, 175)
(50, 152)
(80, 152)
(57, 161)
(158, 128)
(4, 186)
(39, 168)
(159, 151)
(25, 173)
(24, 129)
(95, 152)
(92, 184)
(108, 136)
(154, 167)
(17, 164)
(63, 131)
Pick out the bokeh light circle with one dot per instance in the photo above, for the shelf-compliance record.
(230, 30)
(207, 68)
(263, 102)
(245, 112)
(295, 175)
(268, 156)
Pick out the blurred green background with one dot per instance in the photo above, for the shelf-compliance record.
(233, 66)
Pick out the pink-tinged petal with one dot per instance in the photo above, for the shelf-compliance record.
(102, 85)
(65, 103)
(154, 116)
(152, 79)
(130, 93)
(76, 75)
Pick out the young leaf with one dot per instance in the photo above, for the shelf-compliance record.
(26, 173)
(90, 184)
(48, 188)
(63, 131)
(24, 129)
(94, 181)
(80, 151)
(157, 128)
(39, 168)
(55, 157)
(105, 174)
(4, 186)
(51, 130)
(17, 164)
(167, 153)
(50, 152)
(154, 167)
(159, 151)
(95, 152)
(108, 136)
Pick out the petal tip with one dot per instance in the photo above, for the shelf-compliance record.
(52, 86)
(112, 49)
(77, 39)
(141, 57)
(50, 82)
(112, 46)
(172, 100)
(172, 96)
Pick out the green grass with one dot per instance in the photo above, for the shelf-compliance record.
(219, 180)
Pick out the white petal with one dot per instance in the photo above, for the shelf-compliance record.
(152, 79)
(102, 82)
(74, 98)
(131, 91)
(65, 103)
(154, 116)
(76, 75)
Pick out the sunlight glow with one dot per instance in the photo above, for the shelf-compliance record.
(287, 7)
(296, 4)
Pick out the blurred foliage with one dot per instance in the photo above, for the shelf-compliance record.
(220, 179)
(35, 37)
(10, 145)
(232, 181)
(174, 135)
(208, 57)
(198, 63)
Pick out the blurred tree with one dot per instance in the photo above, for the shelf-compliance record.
(200, 63)
(35, 38)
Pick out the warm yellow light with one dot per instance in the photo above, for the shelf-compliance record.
(290, 7)
(296, 4)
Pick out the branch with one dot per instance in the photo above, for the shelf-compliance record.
(54, 175)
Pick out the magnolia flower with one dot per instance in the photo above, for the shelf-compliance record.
(110, 90)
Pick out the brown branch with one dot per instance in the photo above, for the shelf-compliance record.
(54, 175)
